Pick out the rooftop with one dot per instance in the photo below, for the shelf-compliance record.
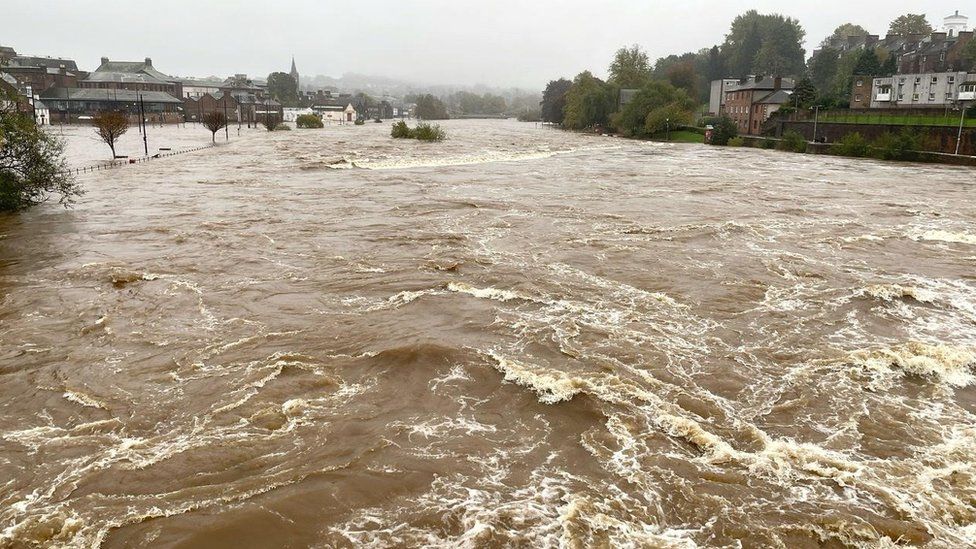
(113, 96)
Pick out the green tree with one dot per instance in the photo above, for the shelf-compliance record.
(431, 108)
(867, 64)
(554, 100)
(823, 69)
(648, 111)
(723, 130)
(32, 165)
(630, 67)
(804, 93)
(283, 88)
(910, 23)
(769, 44)
(589, 102)
(684, 76)
(890, 66)
(842, 32)
(967, 57)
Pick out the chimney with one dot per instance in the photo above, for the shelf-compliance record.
(149, 61)
(104, 60)
(777, 83)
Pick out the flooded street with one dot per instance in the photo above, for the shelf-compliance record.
(516, 337)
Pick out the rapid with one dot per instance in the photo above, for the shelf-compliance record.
(516, 337)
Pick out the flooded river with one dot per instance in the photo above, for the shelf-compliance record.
(516, 337)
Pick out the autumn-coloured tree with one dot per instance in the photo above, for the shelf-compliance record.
(214, 121)
(110, 126)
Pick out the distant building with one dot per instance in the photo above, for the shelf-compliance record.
(196, 88)
(133, 76)
(717, 95)
(752, 102)
(42, 73)
(73, 104)
(294, 74)
(955, 24)
(6, 54)
(240, 107)
(915, 91)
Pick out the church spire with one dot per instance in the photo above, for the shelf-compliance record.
(294, 70)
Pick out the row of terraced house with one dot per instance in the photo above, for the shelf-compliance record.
(931, 74)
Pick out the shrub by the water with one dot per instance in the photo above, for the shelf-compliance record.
(898, 146)
(723, 129)
(852, 144)
(767, 144)
(530, 116)
(793, 142)
(400, 130)
(737, 142)
(423, 131)
(308, 121)
(427, 132)
(282, 127)
(360, 122)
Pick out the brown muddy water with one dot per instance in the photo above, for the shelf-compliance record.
(517, 337)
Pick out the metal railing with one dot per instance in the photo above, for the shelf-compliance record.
(125, 161)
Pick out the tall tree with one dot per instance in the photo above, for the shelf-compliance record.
(630, 67)
(714, 65)
(654, 107)
(910, 23)
(769, 44)
(804, 93)
(589, 102)
(967, 57)
(823, 69)
(867, 64)
(283, 88)
(554, 100)
(684, 76)
(431, 108)
(842, 32)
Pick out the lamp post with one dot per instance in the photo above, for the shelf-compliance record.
(962, 121)
(816, 120)
(226, 134)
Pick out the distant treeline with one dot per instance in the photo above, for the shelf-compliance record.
(757, 44)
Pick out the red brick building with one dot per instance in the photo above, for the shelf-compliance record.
(751, 103)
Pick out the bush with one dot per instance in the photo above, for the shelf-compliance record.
(423, 132)
(723, 129)
(360, 122)
(852, 144)
(530, 116)
(900, 146)
(737, 142)
(793, 142)
(282, 127)
(767, 144)
(427, 132)
(400, 130)
(308, 121)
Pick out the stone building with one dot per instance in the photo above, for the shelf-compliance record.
(752, 102)
(133, 76)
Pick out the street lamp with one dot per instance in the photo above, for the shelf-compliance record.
(816, 120)
(962, 121)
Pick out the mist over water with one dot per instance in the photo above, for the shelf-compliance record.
(516, 337)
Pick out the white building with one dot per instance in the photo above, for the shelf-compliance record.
(336, 114)
(928, 90)
(955, 23)
(291, 114)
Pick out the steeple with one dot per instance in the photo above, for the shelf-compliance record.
(294, 71)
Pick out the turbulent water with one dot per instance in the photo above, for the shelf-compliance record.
(516, 337)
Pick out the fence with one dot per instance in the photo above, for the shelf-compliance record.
(122, 162)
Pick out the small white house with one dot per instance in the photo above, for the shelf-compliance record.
(42, 114)
(291, 114)
(335, 114)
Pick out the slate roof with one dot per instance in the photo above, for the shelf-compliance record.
(93, 94)
(129, 71)
(778, 97)
(36, 61)
(766, 83)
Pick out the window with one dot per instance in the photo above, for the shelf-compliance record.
(935, 79)
(857, 98)
(918, 80)
(914, 97)
(969, 88)
(932, 96)
(860, 83)
(948, 96)
(952, 79)
(901, 96)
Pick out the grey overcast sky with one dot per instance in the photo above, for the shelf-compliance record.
(496, 42)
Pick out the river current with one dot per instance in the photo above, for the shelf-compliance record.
(516, 337)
